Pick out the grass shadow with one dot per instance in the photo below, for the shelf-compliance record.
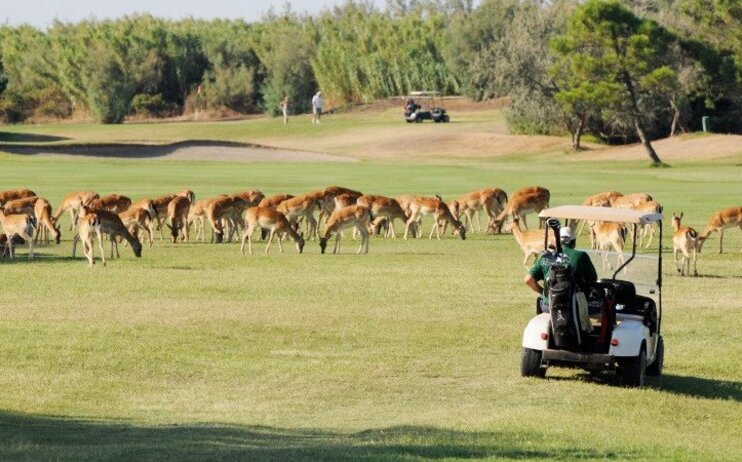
(698, 387)
(122, 150)
(29, 138)
(35, 437)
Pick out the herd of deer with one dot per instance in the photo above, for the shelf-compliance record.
(26, 217)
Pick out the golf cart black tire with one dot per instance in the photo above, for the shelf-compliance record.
(655, 369)
(446, 118)
(409, 121)
(530, 363)
(632, 371)
(419, 120)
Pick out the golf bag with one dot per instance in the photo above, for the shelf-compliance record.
(563, 307)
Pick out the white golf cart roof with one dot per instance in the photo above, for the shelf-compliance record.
(609, 214)
(425, 93)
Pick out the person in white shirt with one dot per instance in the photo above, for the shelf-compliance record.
(317, 102)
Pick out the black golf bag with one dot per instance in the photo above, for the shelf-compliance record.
(563, 307)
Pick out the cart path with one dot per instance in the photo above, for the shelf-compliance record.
(187, 150)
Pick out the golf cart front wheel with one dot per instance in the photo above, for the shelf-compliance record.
(632, 371)
(655, 369)
(530, 363)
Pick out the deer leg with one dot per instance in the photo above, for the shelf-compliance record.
(87, 248)
(337, 243)
(695, 262)
(721, 237)
(407, 225)
(280, 247)
(675, 258)
(270, 239)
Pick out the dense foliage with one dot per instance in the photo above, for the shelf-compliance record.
(529, 50)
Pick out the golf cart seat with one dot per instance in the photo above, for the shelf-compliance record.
(627, 302)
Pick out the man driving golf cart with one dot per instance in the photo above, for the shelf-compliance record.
(583, 270)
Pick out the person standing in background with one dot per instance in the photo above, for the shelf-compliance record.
(317, 102)
(285, 109)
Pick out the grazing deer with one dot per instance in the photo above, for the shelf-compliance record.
(244, 200)
(138, 219)
(273, 221)
(73, 203)
(405, 201)
(353, 215)
(383, 209)
(719, 221)
(421, 206)
(650, 206)
(115, 203)
(89, 223)
(533, 199)
(273, 201)
(684, 240)
(198, 214)
(602, 199)
(111, 224)
(162, 202)
(13, 194)
(20, 225)
(300, 206)
(327, 201)
(38, 208)
(43, 213)
(630, 201)
(177, 217)
(609, 235)
(225, 213)
(530, 242)
(491, 200)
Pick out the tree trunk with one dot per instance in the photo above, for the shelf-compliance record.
(636, 115)
(645, 142)
(675, 117)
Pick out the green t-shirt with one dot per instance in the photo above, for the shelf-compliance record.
(579, 261)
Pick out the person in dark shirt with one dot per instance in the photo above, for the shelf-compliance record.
(583, 270)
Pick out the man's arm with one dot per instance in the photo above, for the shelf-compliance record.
(533, 284)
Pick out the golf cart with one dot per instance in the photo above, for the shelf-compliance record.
(623, 315)
(414, 112)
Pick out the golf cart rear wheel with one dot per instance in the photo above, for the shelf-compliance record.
(632, 371)
(446, 118)
(530, 363)
(655, 369)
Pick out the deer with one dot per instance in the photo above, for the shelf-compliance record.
(609, 235)
(630, 201)
(273, 221)
(525, 200)
(73, 203)
(327, 200)
(138, 218)
(383, 209)
(650, 206)
(246, 199)
(41, 210)
(20, 225)
(111, 224)
(88, 224)
(13, 194)
(273, 201)
(531, 242)
(492, 200)
(719, 221)
(197, 214)
(685, 240)
(162, 202)
(421, 206)
(405, 202)
(177, 216)
(115, 203)
(224, 213)
(300, 206)
(602, 199)
(353, 215)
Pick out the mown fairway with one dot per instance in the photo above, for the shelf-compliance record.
(410, 352)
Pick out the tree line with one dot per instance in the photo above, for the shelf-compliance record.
(618, 70)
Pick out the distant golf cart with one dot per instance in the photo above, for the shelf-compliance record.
(625, 314)
(430, 109)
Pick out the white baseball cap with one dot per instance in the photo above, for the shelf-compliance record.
(566, 234)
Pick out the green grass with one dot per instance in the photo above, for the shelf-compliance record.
(411, 352)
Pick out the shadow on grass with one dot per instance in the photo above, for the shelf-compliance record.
(677, 384)
(29, 138)
(46, 438)
(698, 387)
